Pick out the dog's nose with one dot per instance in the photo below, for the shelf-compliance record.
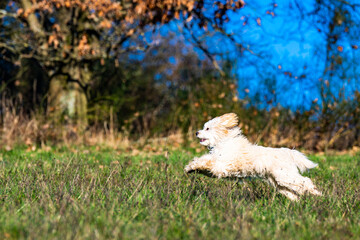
(197, 133)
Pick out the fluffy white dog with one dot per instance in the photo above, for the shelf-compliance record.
(232, 155)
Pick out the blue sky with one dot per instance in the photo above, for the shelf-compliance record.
(286, 44)
(278, 39)
(285, 52)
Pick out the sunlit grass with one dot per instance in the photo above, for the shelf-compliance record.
(97, 195)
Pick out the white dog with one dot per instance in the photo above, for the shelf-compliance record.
(232, 155)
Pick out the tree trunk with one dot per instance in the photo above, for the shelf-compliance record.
(67, 99)
(55, 107)
(81, 107)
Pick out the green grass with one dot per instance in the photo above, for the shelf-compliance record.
(104, 195)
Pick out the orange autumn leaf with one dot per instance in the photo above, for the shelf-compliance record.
(177, 15)
(258, 21)
(105, 24)
(19, 11)
(67, 4)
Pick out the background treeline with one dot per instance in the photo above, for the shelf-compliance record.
(68, 83)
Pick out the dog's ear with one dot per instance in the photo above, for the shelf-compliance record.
(229, 120)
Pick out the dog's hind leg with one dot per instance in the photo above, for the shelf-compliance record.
(290, 195)
(295, 182)
(281, 189)
(310, 187)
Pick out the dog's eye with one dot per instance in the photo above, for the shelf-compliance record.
(207, 129)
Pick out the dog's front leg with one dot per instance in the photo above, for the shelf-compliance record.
(203, 164)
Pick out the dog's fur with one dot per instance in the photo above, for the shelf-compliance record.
(232, 155)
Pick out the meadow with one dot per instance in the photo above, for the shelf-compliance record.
(98, 194)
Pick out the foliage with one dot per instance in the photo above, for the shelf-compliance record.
(100, 195)
(80, 30)
(148, 101)
(83, 57)
(66, 38)
(157, 96)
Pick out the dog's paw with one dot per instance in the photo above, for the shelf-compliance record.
(315, 192)
(188, 168)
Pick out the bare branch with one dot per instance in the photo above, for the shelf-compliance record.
(202, 48)
(4, 13)
(32, 20)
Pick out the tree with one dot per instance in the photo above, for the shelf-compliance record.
(67, 38)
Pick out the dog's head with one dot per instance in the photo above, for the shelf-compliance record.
(217, 129)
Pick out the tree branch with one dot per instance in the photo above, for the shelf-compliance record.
(4, 13)
(202, 48)
(32, 20)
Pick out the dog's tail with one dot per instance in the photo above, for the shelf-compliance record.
(301, 161)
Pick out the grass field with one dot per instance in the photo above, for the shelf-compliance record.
(105, 195)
